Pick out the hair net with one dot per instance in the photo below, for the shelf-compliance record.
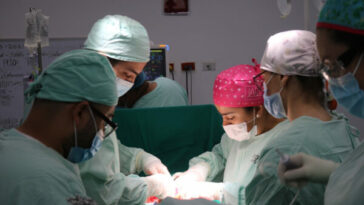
(235, 87)
(292, 53)
(76, 76)
(119, 37)
(344, 15)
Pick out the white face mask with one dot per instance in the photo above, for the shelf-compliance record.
(238, 132)
(123, 86)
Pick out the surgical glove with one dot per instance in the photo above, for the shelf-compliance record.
(309, 168)
(153, 165)
(197, 172)
(160, 185)
(206, 190)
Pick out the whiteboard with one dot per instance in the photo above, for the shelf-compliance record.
(15, 67)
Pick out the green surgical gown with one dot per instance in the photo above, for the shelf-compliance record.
(108, 176)
(346, 183)
(32, 173)
(167, 93)
(237, 161)
(332, 140)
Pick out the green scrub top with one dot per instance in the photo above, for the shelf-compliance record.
(167, 93)
(346, 183)
(32, 173)
(331, 140)
(237, 161)
(241, 164)
(108, 176)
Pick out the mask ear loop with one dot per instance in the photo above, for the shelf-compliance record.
(75, 133)
(270, 79)
(252, 120)
(266, 84)
(358, 64)
(93, 117)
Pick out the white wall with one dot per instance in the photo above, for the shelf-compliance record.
(228, 32)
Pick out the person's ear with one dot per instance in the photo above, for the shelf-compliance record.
(79, 115)
(259, 111)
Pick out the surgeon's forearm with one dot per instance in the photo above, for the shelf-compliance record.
(138, 162)
(135, 191)
(129, 158)
(213, 161)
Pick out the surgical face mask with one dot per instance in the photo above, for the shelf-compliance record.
(239, 132)
(347, 92)
(78, 154)
(273, 103)
(123, 86)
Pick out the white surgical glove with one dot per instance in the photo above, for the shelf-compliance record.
(152, 165)
(309, 168)
(197, 172)
(160, 185)
(206, 190)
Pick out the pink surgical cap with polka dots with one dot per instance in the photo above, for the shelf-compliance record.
(235, 87)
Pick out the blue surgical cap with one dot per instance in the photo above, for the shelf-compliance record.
(343, 15)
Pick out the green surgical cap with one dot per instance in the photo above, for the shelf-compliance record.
(119, 37)
(76, 76)
(343, 15)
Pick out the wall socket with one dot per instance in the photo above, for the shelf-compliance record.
(209, 66)
(188, 66)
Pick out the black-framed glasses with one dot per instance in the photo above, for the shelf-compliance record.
(107, 130)
(258, 80)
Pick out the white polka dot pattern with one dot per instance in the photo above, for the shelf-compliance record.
(235, 87)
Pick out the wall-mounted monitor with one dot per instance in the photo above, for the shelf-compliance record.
(156, 67)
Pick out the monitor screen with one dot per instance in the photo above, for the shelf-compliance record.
(156, 67)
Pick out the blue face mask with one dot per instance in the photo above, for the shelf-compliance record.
(78, 154)
(273, 103)
(347, 92)
(123, 86)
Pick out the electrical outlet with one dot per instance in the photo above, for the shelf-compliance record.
(188, 66)
(208, 66)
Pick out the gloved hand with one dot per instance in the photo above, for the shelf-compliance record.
(197, 172)
(206, 190)
(309, 169)
(153, 165)
(160, 185)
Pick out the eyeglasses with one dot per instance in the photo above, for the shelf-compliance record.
(337, 68)
(110, 125)
(258, 81)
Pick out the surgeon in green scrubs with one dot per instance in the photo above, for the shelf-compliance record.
(109, 176)
(73, 102)
(340, 42)
(238, 96)
(294, 89)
